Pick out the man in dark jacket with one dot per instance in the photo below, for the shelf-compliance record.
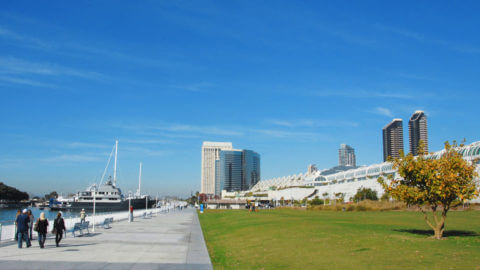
(22, 229)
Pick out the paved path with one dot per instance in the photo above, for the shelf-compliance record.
(168, 241)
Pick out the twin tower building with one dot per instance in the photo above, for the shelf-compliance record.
(225, 168)
(393, 135)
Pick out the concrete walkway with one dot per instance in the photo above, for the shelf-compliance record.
(169, 241)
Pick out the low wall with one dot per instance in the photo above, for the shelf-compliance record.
(7, 232)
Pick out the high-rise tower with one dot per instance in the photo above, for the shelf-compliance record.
(239, 170)
(393, 139)
(210, 154)
(346, 156)
(418, 131)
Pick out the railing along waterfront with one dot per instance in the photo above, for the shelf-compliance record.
(7, 232)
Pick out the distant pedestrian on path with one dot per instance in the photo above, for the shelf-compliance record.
(41, 228)
(131, 213)
(58, 228)
(22, 229)
(19, 212)
(82, 216)
(30, 224)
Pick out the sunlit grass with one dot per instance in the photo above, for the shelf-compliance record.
(299, 239)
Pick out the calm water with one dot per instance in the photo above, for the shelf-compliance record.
(7, 216)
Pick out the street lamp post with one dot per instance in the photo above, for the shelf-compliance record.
(94, 206)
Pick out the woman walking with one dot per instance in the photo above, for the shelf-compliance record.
(41, 228)
(30, 225)
(58, 228)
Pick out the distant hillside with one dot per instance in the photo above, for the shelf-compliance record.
(8, 193)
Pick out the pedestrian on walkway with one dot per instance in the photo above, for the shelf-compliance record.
(58, 228)
(41, 228)
(82, 216)
(22, 229)
(19, 212)
(30, 225)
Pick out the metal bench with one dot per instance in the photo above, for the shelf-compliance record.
(147, 214)
(79, 227)
(107, 222)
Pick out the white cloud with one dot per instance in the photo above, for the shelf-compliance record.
(383, 111)
(71, 158)
(311, 123)
(194, 87)
(11, 65)
(146, 141)
(452, 45)
(25, 40)
(15, 80)
(144, 151)
(363, 94)
(208, 130)
(86, 145)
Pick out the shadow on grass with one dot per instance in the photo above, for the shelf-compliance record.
(449, 233)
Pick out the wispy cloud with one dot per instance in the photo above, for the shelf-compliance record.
(310, 123)
(348, 37)
(383, 111)
(292, 135)
(363, 94)
(80, 50)
(208, 130)
(86, 145)
(194, 87)
(452, 45)
(10, 65)
(414, 76)
(25, 40)
(146, 141)
(22, 81)
(71, 158)
(144, 151)
(8, 163)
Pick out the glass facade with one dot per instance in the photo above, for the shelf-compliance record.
(237, 170)
(251, 169)
(231, 170)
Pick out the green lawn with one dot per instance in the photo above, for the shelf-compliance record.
(298, 239)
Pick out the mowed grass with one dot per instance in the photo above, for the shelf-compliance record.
(299, 239)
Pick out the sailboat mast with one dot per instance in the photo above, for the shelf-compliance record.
(115, 165)
(140, 180)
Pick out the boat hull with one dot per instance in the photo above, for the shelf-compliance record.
(118, 206)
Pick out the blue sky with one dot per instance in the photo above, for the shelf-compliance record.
(291, 80)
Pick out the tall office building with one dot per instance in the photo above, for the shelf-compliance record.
(239, 170)
(346, 156)
(251, 169)
(231, 170)
(418, 131)
(392, 139)
(210, 154)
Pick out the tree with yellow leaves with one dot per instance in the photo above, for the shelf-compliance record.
(433, 183)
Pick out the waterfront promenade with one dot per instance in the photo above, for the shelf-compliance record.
(171, 240)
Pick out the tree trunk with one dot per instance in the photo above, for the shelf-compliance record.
(440, 225)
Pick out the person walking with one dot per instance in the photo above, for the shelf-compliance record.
(58, 228)
(19, 212)
(30, 225)
(22, 229)
(82, 216)
(41, 228)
